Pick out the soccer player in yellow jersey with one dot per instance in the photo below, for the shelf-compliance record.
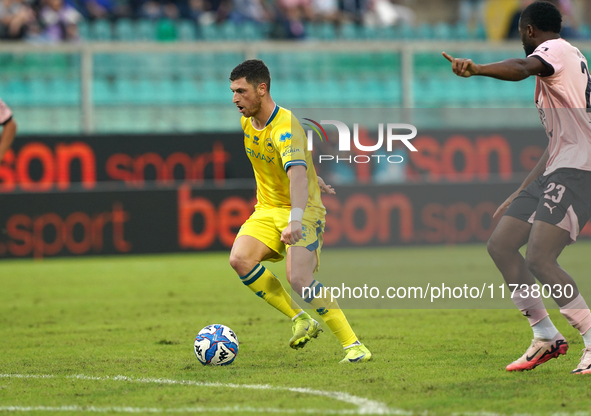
(289, 215)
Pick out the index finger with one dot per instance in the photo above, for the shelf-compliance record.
(448, 57)
(499, 210)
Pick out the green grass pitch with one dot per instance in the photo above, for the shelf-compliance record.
(82, 322)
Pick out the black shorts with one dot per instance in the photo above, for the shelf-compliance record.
(563, 198)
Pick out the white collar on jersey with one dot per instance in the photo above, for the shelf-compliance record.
(270, 119)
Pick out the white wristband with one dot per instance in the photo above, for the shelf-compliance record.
(296, 214)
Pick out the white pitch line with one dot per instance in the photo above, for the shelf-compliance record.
(364, 406)
(230, 409)
(519, 414)
(128, 409)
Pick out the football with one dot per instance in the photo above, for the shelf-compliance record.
(216, 345)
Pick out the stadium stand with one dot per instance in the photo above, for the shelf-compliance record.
(149, 85)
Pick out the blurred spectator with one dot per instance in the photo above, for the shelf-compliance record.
(154, 10)
(165, 28)
(249, 11)
(60, 21)
(210, 11)
(196, 9)
(386, 13)
(354, 9)
(293, 13)
(326, 10)
(15, 19)
(568, 20)
(471, 12)
(513, 32)
(99, 9)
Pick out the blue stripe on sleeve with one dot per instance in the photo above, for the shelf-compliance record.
(295, 163)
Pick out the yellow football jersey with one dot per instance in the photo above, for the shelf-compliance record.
(272, 150)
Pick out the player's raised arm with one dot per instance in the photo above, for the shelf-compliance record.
(7, 137)
(508, 70)
(298, 187)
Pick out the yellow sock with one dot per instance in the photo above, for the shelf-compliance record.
(266, 285)
(331, 314)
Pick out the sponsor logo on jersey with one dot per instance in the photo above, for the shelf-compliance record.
(285, 136)
(255, 140)
(547, 205)
(289, 150)
(269, 145)
(258, 155)
(304, 231)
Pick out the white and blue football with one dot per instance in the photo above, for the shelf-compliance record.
(216, 345)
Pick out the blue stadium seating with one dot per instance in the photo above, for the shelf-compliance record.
(131, 84)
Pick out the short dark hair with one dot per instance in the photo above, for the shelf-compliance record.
(542, 15)
(255, 71)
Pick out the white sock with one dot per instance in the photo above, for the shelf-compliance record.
(587, 338)
(545, 329)
(298, 315)
(356, 343)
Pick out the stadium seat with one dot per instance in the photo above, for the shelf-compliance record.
(389, 33)
(188, 92)
(186, 30)
(229, 31)
(210, 33)
(145, 30)
(481, 32)
(331, 92)
(165, 91)
(103, 92)
(215, 92)
(424, 32)
(101, 30)
(124, 30)
(40, 92)
(460, 32)
(391, 91)
(320, 31)
(250, 31)
(64, 91)
(348, 31)
(442, 31)
(83, 30)
(369, 33)
(17, 92)
(327, 31)
(374, 91)
(404, 31)
(125, 91)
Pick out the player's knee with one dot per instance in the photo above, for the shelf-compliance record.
(537, 263)
(296, 281)
(239, 263)
(495, 249)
